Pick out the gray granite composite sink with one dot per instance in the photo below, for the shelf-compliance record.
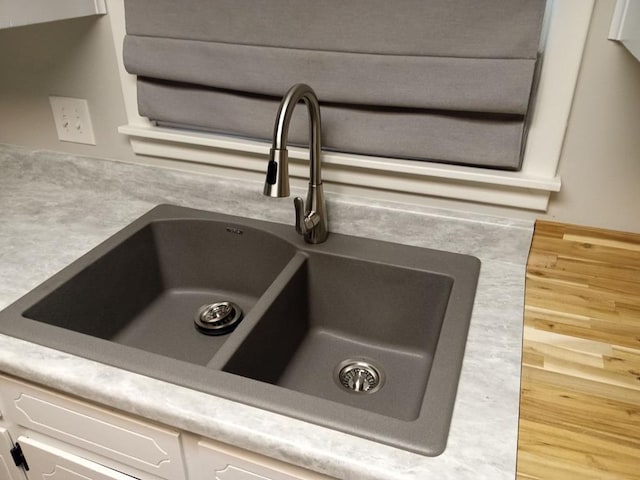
(363, 336)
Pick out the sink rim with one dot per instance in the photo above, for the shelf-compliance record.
(241, 389)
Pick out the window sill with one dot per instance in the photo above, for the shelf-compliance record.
(514, 189)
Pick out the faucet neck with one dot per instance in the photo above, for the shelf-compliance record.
(311, 216)
(281, 129)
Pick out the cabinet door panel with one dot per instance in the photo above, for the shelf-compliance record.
(134, 442)
(217, 461)
(235, 473)
(50, 463)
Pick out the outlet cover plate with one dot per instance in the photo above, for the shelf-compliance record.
(72, 119)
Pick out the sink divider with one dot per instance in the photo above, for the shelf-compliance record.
(264, 303)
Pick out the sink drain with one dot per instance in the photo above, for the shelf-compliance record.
(359, 376)
(218, 318)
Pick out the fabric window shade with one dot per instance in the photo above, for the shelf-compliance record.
(440, 80)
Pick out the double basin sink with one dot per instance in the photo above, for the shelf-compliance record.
(358, 335)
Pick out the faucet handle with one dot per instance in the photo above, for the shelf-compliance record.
(305, 222)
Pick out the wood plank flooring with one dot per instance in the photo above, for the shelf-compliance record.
(580, 394)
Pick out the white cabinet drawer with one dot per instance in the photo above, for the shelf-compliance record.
(133, 442)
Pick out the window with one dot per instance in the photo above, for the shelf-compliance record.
(567, 26)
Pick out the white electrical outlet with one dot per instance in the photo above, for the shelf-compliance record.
(72, 119)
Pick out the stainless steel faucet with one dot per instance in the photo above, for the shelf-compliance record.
(311, 217)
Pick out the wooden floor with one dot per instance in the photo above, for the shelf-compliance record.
(580, 402)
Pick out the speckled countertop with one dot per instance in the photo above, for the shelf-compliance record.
(55, 207)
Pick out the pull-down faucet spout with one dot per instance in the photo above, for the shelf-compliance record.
(311, 217)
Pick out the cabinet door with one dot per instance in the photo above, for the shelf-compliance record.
(217, 461)
(135, 442)
(50, 463)
(8, 469)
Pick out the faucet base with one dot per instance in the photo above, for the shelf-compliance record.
(315, 204)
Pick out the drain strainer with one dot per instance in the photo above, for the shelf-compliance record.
(359, 376)
(218, 318)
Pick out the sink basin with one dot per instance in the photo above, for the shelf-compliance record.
(145, 291)
(338, 309)
(362, 336)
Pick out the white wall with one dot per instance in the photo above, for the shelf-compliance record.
(73, 58)
(600, 164)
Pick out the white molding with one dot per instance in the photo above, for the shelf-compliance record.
(15, 13)
(332, 160)
(625, 25)
(567, 25)
(382, 174)
(617, 20)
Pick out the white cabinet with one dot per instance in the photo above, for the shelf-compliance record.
(14, 13)
(64, 438)
(50, 463)
(129, 441)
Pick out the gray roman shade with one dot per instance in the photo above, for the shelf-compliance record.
(439, 80)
